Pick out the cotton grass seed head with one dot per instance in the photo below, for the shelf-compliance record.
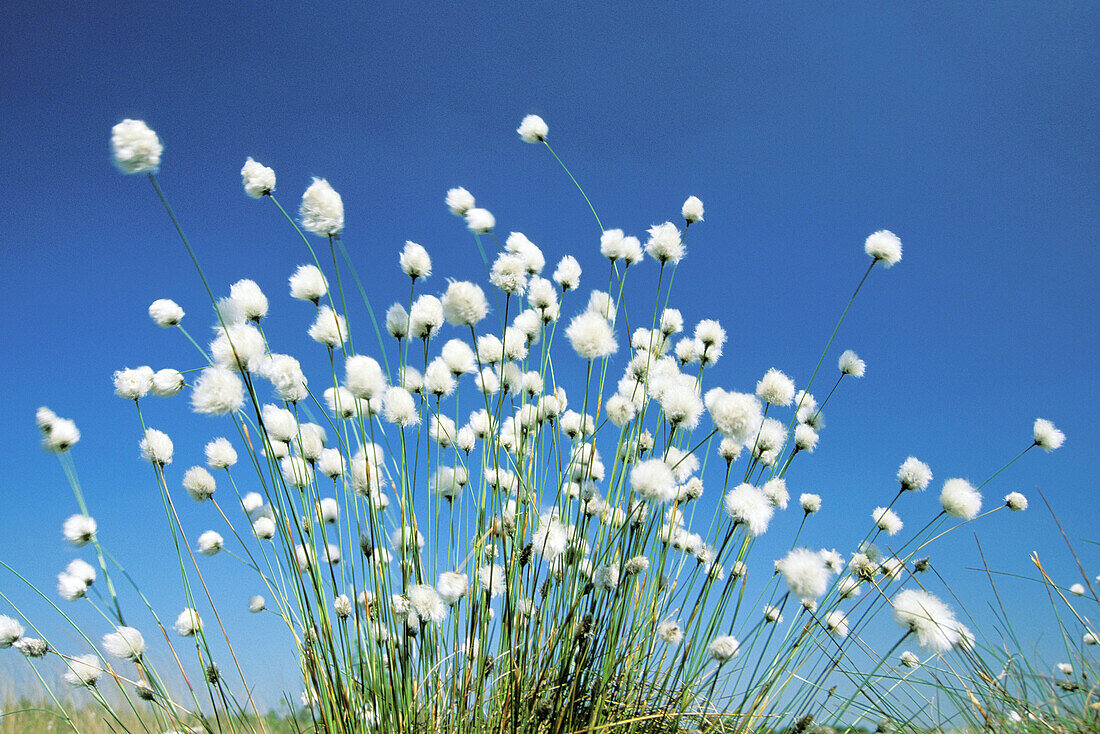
(959, 499)
(125, 643)
(61, 436)
(1015, 502)
(167, 382)
(806, 573)
(746, 505)
(165, 313)
(188, 623)
(464, 303)
(884, 247)
(71, 588)
(692, 210)
(724, 648)
(79, 529)
(850, 364)
(914, 475)
(308, 283)
(10, 631)
(533, 129)
(670, 631)
(199, 483)
(931, 619)
(135, 148)
(775, 388)
(210, 543)
(665, 244)
(256, 603)
(811, 503)
(322, 209)
(480, 221)
(887, 520)
(415, 261)
(1046, 436)
(258, 179)
(133, 384)
(329, 329)
(459, 201)
(591, 336)
(81, 570)
(84, 670)
(220, 454)
(568, 273)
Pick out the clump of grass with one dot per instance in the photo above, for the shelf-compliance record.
(460, 542)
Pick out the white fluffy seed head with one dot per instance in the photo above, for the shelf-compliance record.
(329, 328)
(480, 221)
(135, 148)
(452, 587)
(806, 573)
(591, 336)
(84, 670)
(568, 273)
(133, 384)
(258, 179)
(425, 317)
(188, 623)
(210, 543)
(670, 631)
(251, 300)
(1016, 501)
(220, 454)
(887, 520)
(238, 346)
(959, 499)
(652, 479)
(199, 483)
(322, 209)
(1046, 436)
(156, 447)
(883, 247)
(692, 210)
(464, 304)
(723, 648)
(415, 261)
(363, 376)
(931, 619)
(533, 129)
(747, 505)
(665, 244)
(850, 364)
(125, 643)
(165, 313)
(914, 475)
(459, 201)
(308, 283)
(167, 382)
(775, 388)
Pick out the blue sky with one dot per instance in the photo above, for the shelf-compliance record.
(968, 130)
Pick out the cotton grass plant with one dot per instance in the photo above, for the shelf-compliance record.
(460, 542)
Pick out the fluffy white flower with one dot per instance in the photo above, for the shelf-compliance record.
(805, 438)
(747, 505)
(519, 244)
(279, 423)
(669, 631)
(210, 543)
(426, 603)
(887, 520)
(397, 321)
(264, 528)
(664, 243)
(133, 384)
(217, 391)
(251, 300)
(723, 648)
(806, 573)
(156, 447)
(776, 492)
(308, 283)
(296, 471)
(811, 503)
(568, 273)
(692, 210)
(425, 317)
(464, 304)
(165, 313)
(1047, 437)
(549, 540)
(490, 579)
(772, 615)
(399, 407)
(1090, 638)
(257, 178)
(71, 588)
(322, 209)
(930, 618)
(329, 328)
(775, 388)
(1015, 501)
(652, 479)
(256, 603)
(135, 147)
(452, 587)
(837, 623)
(220, 454)
(10, 631)
(909, 660)
(125, 643)
(533, 129)
(81, 570)
(850, 364)
(509, 274)
(480, 221)
(611, 244)
(914, 475)
(58, 434)
(84, 670)
(884, 247)
(238, 346)
(1064, 668)
(459, 201)
(960, 500)
(167, 382)
(591, 336)
(199, 483)
(188, 623)
(415, 261)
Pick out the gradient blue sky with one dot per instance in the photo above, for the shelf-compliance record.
(969, 130)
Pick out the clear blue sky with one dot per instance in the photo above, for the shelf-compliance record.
(969, 130)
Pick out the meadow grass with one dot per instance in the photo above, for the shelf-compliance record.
(462, 543)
